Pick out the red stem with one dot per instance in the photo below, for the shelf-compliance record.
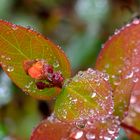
(130, 128)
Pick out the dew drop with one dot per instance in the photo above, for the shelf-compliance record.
(107, 138)
(93, 94)
(28, 85)
(136, 69)
(90, 136)
(133, 99)
(111, 131)
(10, 68)
(80, 124)
(127, 25)
(56, 64)
(117, 31)
(76, 134)
(129, 75)
(116, 83)
(135, 79)
(106, 77)
(30, 28)
(8, 58)
(14, 27)
(136, 21)
(107, 66)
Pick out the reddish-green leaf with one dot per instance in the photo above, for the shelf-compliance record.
(54, 129)
(87, 94)
(120, 58)
(51, 129)
(18, 45)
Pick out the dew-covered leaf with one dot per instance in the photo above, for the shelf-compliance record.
(93, 129)
(120, 58)
(19, 45)
(87, 94)
(51, 129)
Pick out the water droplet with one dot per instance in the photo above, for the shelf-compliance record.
(117, 31)
(14, 27)
(29, 84)
(30, 28)
(93, 94)
(135, 79)
(80, 124)
(119, 71)
(76, 134)
(136, 69)
(8, 58)
(111, 131)
(10, 68)
(135, 51)
(136, 21)
(129, 75)
(90, 136)
(107, 66)
(56, 64)
(127, 25)
(116, 83)
(106, 77)
(107, 138)
(133, 99)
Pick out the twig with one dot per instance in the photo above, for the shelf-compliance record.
(130, 128)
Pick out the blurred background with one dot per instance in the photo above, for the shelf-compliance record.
(80, 27)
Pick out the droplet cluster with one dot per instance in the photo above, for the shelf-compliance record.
(5, 62)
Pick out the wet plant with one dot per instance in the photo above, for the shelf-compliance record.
(93, 104)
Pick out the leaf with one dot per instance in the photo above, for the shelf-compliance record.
(87, 94)
(133, 117)
(17, 45)
(120, 59)
(54, 129)
(86, 103)
(51, 130)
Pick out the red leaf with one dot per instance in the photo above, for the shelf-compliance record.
(120, 59)
(53, 129)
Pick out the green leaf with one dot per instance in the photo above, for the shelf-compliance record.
(18, 44)
(87, 94)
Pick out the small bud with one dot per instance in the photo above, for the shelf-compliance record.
(47, 71)
(48, 68)
(57, 79)
(36, 70)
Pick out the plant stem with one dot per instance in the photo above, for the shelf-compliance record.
(130, 128)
